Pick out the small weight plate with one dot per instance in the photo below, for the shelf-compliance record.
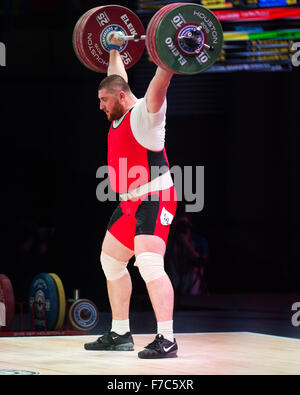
(172, 54)
(91, 31)
(43, 298)
(8, 298)
(61, 301)
(83, 314)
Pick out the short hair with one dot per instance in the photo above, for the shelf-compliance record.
(114, 83)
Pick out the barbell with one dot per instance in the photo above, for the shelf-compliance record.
(184, 38)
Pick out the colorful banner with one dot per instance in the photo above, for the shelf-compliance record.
(258, 14)
(289, 34)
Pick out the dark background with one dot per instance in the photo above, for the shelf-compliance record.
(243, 127)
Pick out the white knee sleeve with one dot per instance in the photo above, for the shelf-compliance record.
(113, 269)
(151, 266)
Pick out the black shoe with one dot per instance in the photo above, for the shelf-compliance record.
(159, 348)
(111, 341)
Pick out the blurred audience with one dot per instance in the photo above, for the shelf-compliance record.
(187, 258)
(35, 255)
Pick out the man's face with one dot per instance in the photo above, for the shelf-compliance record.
(111, 104)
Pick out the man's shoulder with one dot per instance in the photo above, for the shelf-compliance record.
(138, 102)
(139, 108)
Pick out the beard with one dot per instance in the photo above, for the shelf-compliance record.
(116, 113)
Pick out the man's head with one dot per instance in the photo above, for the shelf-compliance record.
(115, 96)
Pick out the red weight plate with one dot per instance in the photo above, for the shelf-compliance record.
(8, 298)
(91, 31)
(77, 33)
(80, 35)
(87, 58)
(150, 39)
(76, 43)
(151, 34)
(157, 22)
(155, 25)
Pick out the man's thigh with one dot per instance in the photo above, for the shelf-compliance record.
(114, 248)
(119, 238)
(149, 243)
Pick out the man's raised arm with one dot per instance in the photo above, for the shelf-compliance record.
(157, 90)
(116, 65)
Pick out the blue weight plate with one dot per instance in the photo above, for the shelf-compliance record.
(43, 298)
(84, 314)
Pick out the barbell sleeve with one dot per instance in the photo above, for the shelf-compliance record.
(135, 37)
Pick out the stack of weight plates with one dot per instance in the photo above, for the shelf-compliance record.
(48, 301)
(91, 32)
(7, 299)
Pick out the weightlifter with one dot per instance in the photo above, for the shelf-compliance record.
(140, 224)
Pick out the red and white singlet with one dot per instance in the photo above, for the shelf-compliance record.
(139, 171)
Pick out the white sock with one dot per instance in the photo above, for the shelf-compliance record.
(165, 328)
(120, 326)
